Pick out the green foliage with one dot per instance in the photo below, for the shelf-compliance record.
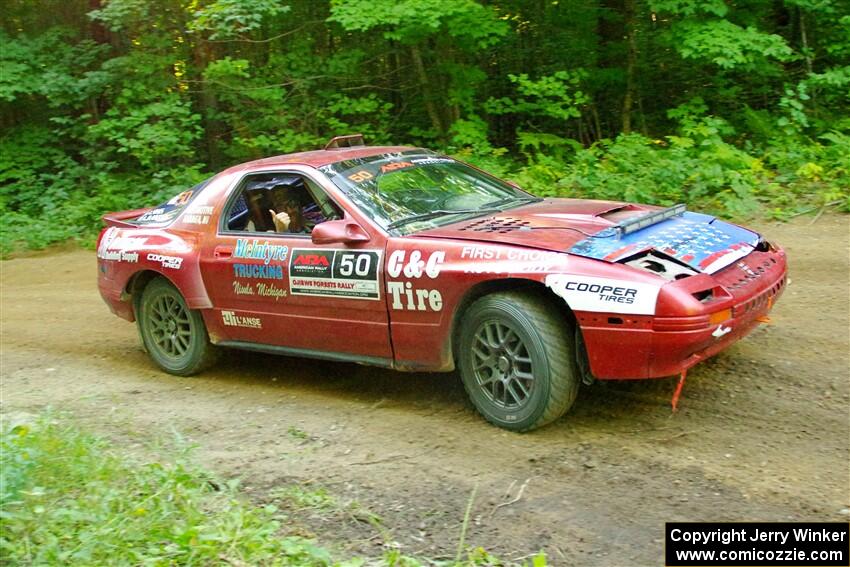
(557, 96)
(743, 108)
(412, 21)
(53, 66)
(729, 46)
(70, 498)
(155, 135)
(228, 19)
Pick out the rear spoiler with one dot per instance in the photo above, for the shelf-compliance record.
(120, 218)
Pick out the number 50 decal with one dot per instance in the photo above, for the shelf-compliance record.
(335, 273)
(353, 263)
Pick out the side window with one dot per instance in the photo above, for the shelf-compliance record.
(284, 203)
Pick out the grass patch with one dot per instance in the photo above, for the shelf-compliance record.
(68, 497)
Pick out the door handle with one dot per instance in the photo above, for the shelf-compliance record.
(223, 252)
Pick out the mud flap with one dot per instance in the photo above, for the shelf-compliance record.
(678, 392)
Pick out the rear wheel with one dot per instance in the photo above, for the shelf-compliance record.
(517, 360)
(173, 335)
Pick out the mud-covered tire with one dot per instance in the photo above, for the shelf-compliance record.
(173, 335)
(517, 360)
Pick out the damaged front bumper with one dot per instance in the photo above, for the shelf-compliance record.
(636, 347)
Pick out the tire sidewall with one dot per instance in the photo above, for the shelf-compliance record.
(502, 310)
(185, 363)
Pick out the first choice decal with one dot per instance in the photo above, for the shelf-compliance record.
(585, 293)
(335, 273)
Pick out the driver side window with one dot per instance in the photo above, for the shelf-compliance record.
(284, 203)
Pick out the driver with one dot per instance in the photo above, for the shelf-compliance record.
(287, 212)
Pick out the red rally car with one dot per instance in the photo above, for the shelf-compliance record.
(404, 258)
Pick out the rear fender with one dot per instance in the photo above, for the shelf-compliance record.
(129, 257)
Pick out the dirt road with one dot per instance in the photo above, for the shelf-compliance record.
(762, 433)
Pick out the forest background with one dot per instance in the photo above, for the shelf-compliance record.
(740, 108)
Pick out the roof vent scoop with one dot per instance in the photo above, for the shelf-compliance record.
(342, 142)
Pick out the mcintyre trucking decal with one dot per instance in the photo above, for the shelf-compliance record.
(258, 271)
(255, 249)
(335, 273)
(585, 293)
(259, 289)
(701, 241)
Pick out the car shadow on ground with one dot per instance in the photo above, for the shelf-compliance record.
(611, 402)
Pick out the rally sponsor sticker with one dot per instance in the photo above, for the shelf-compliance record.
(586, 293)
(335, 273)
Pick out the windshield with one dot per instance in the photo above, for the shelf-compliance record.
(413, 191)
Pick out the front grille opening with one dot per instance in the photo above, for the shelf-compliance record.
(615, 321)
(704, 296)
(653, 266)
(763, 245)
(660, 264)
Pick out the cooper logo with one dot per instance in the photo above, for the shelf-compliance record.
(312, 260)
(603, 295)
(231, 319)
(172, 262)
(606, 292)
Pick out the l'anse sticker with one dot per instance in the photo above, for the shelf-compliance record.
(231, 319)
(586, 293)
(335, 273)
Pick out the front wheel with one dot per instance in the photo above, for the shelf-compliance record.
(173, 335)
(517, 360)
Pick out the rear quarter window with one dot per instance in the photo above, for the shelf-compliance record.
(168, 211)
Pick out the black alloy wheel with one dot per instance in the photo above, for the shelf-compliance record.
(174, 336)
(517, 359)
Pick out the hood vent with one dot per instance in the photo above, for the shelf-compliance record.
(501, 225)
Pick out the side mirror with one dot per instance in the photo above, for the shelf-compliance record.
(342, 231)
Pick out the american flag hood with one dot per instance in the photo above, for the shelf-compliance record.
(701, 241)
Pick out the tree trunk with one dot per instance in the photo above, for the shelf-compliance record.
(425, 86)
(631, 62)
